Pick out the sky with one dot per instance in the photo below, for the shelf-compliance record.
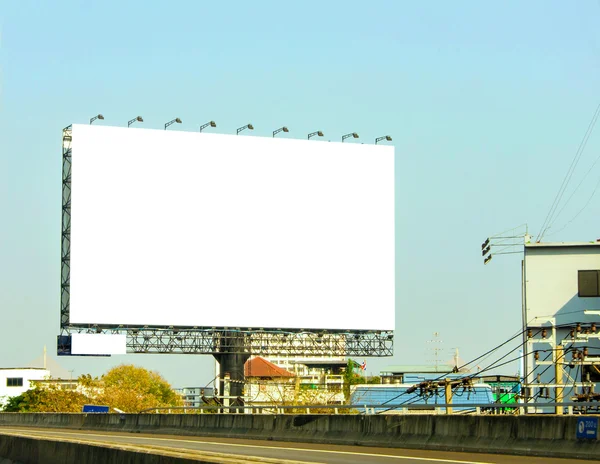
(486, 102)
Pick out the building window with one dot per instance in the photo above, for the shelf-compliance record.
(14, 382)
(588, 283)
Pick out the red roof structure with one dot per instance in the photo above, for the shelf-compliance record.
(260, 367)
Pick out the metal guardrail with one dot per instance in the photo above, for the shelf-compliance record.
(459, 408)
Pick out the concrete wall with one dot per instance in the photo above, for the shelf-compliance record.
(551, 283)
(22, 450)
(527, 435)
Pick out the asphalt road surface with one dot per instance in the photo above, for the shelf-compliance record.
(283, 451)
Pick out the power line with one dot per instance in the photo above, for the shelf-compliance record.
(563, 186)
(581, 210)
(493, 349)
(518, 334)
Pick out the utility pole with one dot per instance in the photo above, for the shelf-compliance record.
(448, 395)
(558, 374)
(226, 391)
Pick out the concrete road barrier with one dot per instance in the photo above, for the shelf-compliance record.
(20, 448)
(541, 435)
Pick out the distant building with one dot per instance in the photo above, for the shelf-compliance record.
(16, 381)
(192, 396)
(402, 373)
(59, 384)
(268, 384)
(505, 388)
(306, 380)
(311, 365)
(69, 384)
(411, 373)
(395, 398)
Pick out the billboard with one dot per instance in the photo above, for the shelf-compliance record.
(209, 230)
(98, 344)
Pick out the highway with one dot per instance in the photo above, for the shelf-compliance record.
(283, 452)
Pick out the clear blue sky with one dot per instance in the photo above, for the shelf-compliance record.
(486, 102)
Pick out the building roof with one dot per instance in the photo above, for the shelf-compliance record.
(56, 380)
(22, 369)
(260, 367)
(416, 369)
(561, 244)
(499, 378)
(324, 363)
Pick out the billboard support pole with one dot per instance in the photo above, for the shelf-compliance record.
(233, 354)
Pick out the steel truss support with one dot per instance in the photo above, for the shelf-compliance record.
(65, 253)
(249, 341)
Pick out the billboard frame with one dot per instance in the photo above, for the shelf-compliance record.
(206, 340)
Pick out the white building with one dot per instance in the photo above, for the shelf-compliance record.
(15, 381)
(324, 374)
(561, 319)
(192, 396)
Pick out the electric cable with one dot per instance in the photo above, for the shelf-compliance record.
(550, 216)
(568, 223)
(461, 367)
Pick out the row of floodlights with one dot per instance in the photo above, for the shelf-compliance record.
(247, 126)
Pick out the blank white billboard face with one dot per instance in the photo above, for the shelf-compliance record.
(208, 230)
(98, 344)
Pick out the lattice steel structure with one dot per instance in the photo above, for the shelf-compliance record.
(65, 232)
(263, 343)
(203, 340)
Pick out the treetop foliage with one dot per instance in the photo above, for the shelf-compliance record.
(126, 387)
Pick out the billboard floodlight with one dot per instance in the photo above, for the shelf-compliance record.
(96, 117)
(176, 120)
(210, 123)
(137, 118)
(281, 129)
(385, 137)
(312, 134)
(247, 126)
(352, 134)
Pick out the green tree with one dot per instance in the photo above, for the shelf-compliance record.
(14, 403)
(350, 378)
(47, 399)
(132, 389)
(126, 387)
(55, 399)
